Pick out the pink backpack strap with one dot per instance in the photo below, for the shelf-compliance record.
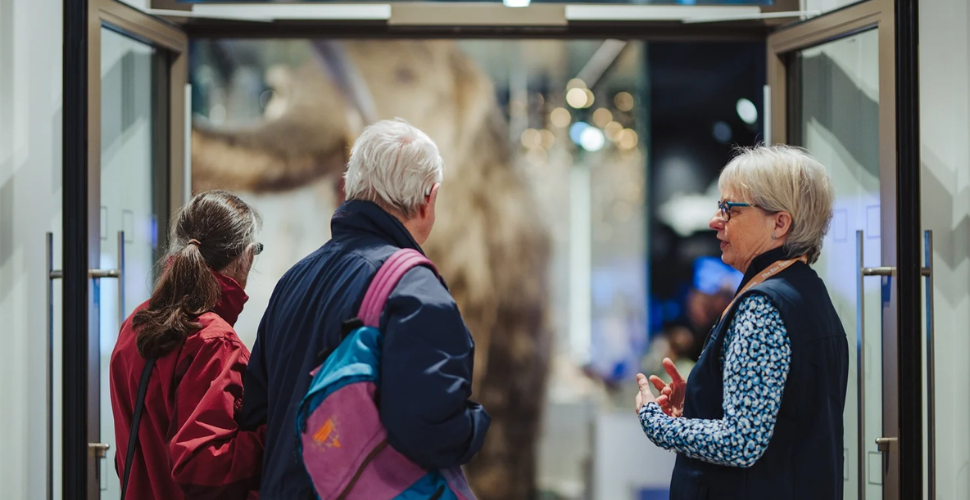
(388, 275)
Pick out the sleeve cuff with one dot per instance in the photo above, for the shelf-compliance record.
(647, 411)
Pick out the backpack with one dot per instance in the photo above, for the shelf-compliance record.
(341, 439)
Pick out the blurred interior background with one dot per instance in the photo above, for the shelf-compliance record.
(617, 143)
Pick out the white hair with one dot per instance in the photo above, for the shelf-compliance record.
(394, 165)
(785, 178)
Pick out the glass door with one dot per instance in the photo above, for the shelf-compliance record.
(832, 86)
(132, 208)
(836, 99)
(133, 204)
(133, 132)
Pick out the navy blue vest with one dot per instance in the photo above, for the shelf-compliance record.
(804, 458)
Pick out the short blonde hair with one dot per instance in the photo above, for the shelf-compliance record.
(785, 178)
(395, 165)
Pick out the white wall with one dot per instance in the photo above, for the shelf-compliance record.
(945, 182)
(823, 6)
(30, 194)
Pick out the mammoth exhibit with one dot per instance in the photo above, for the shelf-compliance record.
(489, 242)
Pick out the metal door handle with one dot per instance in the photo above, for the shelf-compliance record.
(100, 449)
(49, 372)
(927, 271)
(121, 279)
(861, 363)
(878, 271)
(115, 273)
(55, 274)
(883, 444)
(891, 271)
(104, 273)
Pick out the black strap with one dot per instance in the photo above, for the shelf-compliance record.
(346, 328)
(135, 420)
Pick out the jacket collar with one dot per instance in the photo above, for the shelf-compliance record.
(231, 300)
(761, 262)
(358, 216)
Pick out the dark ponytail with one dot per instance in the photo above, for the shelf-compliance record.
(208, 233)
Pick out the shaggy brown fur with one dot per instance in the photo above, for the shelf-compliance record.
(488, 240)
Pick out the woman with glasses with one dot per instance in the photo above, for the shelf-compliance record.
(760, 416)
(177, 368)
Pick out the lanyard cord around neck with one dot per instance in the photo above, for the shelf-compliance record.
(760, 278)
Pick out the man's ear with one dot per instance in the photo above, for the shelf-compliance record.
(430, 200)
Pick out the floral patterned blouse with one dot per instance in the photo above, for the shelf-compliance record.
(756, 358)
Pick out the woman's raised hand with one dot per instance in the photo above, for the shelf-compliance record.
(644, 395)
(671, 399)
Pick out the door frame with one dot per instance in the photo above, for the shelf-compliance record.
(475, 19)
(83, 21)
(897, 24)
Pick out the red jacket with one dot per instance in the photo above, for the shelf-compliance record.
(189, 445)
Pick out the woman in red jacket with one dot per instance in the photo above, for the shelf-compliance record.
(189, 445)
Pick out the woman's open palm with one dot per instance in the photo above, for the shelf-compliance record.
(671, 399)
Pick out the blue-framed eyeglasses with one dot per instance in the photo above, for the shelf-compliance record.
(725, 208)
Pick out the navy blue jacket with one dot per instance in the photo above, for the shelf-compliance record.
(426, 366)
(804, 459)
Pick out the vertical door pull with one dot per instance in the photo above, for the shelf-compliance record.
(881, 443)
(100, 449)
(927, 272)
(49, 369)
(121, 279)
(861, 363)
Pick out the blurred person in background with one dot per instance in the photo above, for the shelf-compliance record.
(179, 354)
(712, 287)
(761, 415)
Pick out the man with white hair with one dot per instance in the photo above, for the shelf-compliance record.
(392, 184)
